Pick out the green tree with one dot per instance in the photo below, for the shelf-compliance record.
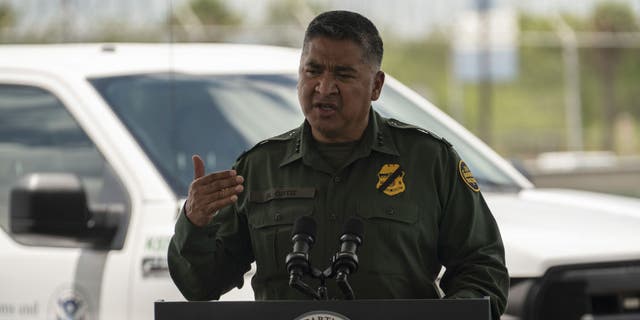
(7, 19)
(203, 20)
(7, 15)
(297, 12)
(610, 17)
(528, 22)
(214, 12)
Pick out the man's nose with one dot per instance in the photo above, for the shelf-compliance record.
(326, 85)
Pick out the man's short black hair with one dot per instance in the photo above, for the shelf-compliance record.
(347, 25)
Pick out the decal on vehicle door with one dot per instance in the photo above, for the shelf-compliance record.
(154, 261)
(69, 303)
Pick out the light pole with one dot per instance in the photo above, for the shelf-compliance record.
(485, 85)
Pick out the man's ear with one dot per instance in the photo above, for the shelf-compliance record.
(378, 82)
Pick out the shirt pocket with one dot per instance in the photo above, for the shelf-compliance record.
(391, 241)
(271, 224)
(386, 212)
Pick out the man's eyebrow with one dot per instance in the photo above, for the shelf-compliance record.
(346, 69)
(313, 64)
(339, 68)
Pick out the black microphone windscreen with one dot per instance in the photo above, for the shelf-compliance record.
(304, 225)
(354, 226)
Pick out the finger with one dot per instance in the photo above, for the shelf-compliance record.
(203, 211)
(198, 166)
(221, 203)
(205, 198)
(218, 185)
(216, 176)
(227, 192)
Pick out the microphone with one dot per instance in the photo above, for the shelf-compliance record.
(303, 237)
(346, 261)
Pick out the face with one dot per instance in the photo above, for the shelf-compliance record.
(335, 88)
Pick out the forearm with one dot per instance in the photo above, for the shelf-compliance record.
(478, 277)
(475, 265)
(204, 276)
(199, 264)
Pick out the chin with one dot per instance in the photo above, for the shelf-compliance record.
(327, 133)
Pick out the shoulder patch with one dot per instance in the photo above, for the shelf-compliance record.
(283, 137)
(402, 125)
(467, 176)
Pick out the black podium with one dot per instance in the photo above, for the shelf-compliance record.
(432, 309)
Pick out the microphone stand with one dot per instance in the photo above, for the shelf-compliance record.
(345, 287)
(342, 264)
(295, 281)
(322, 293)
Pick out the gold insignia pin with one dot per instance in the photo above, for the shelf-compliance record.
(467, 176)
(390, 179)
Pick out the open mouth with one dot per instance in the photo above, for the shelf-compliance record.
(325, 106)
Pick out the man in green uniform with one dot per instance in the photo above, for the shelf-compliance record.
(334, 166)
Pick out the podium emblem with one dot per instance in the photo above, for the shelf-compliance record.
(321, 315)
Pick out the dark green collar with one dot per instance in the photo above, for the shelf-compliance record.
(377, 137)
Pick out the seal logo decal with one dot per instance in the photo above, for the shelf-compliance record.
(467, 176)
(69, 303)
(321, 315)
(390, 179)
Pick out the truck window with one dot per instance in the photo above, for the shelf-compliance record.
(175, 115)
(38, 135)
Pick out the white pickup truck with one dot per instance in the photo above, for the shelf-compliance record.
(95, 161)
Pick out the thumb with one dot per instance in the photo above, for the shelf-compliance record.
(198, 166)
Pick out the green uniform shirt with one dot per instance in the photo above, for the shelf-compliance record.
(431, 215)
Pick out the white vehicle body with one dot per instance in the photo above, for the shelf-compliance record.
(541, 229)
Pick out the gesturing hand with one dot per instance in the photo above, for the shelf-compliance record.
(210, 193)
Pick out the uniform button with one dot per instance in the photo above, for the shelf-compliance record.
(337, 179)
(333, 217)
(277, 217)
(391, 212)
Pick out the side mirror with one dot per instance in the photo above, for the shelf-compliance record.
(56, 204)
(50, 204)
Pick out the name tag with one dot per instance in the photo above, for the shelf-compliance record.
(281, 193)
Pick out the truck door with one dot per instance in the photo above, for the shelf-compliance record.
(50, 273)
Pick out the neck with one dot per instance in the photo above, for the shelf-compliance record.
(322, 138)
(353, 135)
